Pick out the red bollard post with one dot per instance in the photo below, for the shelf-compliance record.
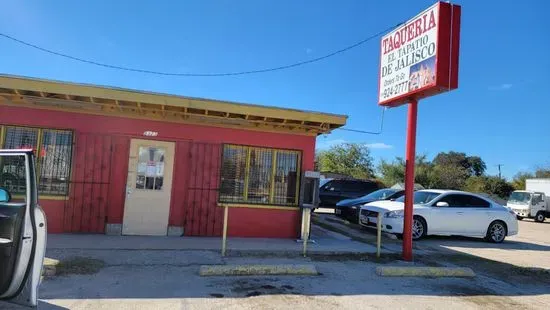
(409, 180)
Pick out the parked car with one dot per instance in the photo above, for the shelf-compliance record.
(445, 212)
(349, 208)
(22, 235)
(336, 190)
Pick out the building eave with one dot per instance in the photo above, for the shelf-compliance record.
(110, 101)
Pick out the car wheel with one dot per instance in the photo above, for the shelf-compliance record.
(497, 232)
(419, 228)
(539, 217)
(519, 218)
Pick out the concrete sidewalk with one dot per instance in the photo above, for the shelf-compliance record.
(326, 242)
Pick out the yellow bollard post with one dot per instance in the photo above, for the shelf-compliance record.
(378, 234)
(224, 238)
(305, 231)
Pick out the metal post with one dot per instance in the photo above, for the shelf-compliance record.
(409, 180)
(224, 238)
(378, 234)
(305, 236)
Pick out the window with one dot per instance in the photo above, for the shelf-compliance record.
(421, 197)
(537, 198)
(334, 186)
(53, 149)
(475, 202)
(150, 168)
(465, 201)
(259, 175)
(454, 201)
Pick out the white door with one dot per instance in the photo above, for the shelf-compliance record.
(464, 215)
(148, 188)
(22, 231)
(446, 220)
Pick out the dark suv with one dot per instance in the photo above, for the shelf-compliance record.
(335, 190)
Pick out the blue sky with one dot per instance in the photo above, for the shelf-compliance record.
(500, 111)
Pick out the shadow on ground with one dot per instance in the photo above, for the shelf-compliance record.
(152, 274)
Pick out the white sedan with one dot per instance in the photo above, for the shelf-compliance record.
(444, 212)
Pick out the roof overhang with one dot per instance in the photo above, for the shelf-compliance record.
(110, 101)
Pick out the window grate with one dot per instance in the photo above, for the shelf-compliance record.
(55, 162)
(54, 154)
(13, 176)
(259, 175)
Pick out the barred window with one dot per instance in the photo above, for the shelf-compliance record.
(259, 175)
(13, 168)
(54, 153)
(54, 162)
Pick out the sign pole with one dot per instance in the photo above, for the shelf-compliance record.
(409, 180)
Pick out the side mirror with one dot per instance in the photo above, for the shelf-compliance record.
(442, 204)
(5, 196)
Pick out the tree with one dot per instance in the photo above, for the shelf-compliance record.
(542, 173)
(491, 185)
(353, 159)
(474, 165)
(394, 172)
(518, 182)
(448, 177)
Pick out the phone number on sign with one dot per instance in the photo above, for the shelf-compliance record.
(395, 90)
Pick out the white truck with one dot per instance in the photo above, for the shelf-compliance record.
(533, 202)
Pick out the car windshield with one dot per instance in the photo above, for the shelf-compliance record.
(420, 197)
(520, 198)
(380, 194)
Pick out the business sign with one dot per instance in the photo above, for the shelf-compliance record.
(420, 58)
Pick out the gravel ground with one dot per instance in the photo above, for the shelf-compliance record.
(343, 284)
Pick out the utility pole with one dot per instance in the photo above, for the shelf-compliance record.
(499, 174)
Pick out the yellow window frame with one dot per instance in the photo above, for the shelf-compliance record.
(273, 170)
(39, 136)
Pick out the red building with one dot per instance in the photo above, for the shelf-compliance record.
(121, 161)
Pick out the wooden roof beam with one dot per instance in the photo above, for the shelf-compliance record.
(118, 105)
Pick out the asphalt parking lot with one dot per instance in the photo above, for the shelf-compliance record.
(530, 248)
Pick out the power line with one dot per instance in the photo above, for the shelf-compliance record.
(368, 132)
(111, 66)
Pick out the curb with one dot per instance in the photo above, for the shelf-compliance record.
(425, 272)
(257, 270)
(49, 267)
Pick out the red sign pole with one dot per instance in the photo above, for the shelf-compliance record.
(409, 180)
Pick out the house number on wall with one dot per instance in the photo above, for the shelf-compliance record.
(149, 133)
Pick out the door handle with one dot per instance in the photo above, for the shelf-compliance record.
(460, 213)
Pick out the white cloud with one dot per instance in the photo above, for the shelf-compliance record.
(323, 144)
(379, 146)
(504, 86)
(327, 144)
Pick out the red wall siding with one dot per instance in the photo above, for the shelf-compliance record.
(86, 208)
(54, 218)
(266, 223)
(201, 215)
(100, 165)
(119, 174)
